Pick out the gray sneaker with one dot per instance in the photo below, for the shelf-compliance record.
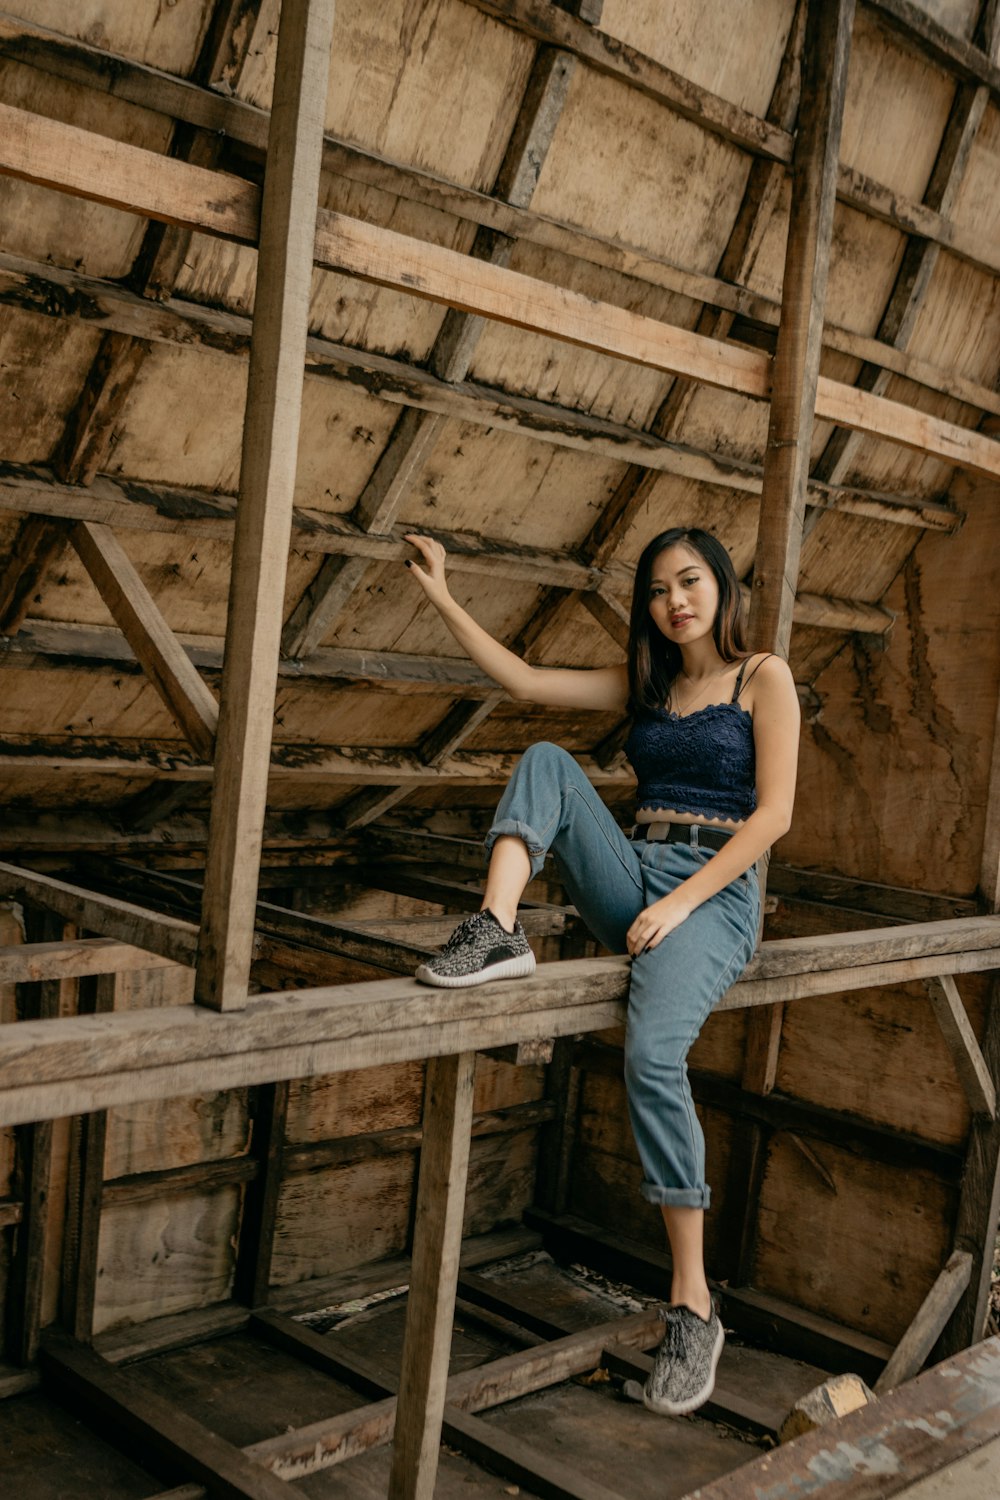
(683, 1376)
(478, 950)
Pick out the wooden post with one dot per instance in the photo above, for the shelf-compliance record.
(437, 1243)
(979, 1203)
(80, 1264)
(795, 372)
(786, 473)
(263, 518)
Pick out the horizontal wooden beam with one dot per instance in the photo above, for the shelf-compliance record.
(77, 1064)
(52, 291)
(36, 149)
(927, 36)
(238, 121)
(26, 963)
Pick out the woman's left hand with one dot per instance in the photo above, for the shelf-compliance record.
(653, 924)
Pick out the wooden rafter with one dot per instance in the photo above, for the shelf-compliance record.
(89, 433)
(169, 668)
(89, 166)
(236, 120)
(412, 440)
(264, 513)
(921, 256)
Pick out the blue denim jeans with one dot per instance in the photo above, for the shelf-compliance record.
(551, 805)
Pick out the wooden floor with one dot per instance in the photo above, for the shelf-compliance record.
(592, 1443)
(245, 1390)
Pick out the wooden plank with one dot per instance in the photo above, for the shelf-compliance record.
(963, 1045)
(263, 521)
(260, 1203)
(919, 29)
(80, 1251)
(795, 372)
(35, 1173)
(152, 89)
(514, 1459)
(169, 937)
(767, 1320)
(905, 905)
(36, 544)
(60, 156)
(44, 289)
(168, 667)
(910, 1354)
(430, 1307)
(904, 1430)
(27, 962)
(132, 1414)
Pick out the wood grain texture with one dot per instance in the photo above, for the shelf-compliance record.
(430, 1309)
(910, 1354)
(263, 524)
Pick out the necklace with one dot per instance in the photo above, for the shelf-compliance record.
(682, 710)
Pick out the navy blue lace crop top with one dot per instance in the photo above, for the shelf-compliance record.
(701, 763)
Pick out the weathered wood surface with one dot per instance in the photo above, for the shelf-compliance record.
(881, 1450)
(72, 959)
(910, 1354)
(101, 69)
(156, 648)
(963, 1045)
(430, 1310)
(89, 1062)
(43, 151)
(795, 371)
(263, 517)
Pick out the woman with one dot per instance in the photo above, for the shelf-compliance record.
(714, 743)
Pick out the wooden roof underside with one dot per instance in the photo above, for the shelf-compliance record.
(648, 172)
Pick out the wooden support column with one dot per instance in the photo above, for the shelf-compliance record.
(786, 471)
(795, 373)
(86, 1190)
(260, 1203)
(437, 1244)
(978, 1217)
(264, 513)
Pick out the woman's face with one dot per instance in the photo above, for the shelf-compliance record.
(683, 595)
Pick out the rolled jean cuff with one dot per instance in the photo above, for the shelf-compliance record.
(511, 828)
(676, 1197)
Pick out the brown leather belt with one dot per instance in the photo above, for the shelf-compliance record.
(698, 835)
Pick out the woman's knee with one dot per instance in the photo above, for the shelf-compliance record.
(544, 753)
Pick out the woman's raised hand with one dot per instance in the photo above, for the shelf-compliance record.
(430, 577)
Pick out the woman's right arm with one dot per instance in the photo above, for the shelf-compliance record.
(600, 688)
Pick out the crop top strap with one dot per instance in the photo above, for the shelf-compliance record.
(740, 684)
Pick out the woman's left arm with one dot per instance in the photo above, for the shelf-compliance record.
(776, 720)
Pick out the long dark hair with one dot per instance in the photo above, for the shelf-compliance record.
(654, 661)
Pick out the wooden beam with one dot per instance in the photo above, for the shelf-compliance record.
(226, 115)
(37, 542)
(416, 432)
(921, 256)
(979, 1201)
(72, 959)
(910, 1354)
(85, 1191)
(430, 1307)
(796, 365)
(919, 30)
(72, 1065)
(60, 156)
(190, 702)
(963, 1045)
(917, 1430)
(269, 1113)
(138, 1418)
(172, 939)
(263, 518)
(51, 291)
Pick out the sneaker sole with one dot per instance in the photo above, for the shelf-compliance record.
(681, 1408)
(510, 968)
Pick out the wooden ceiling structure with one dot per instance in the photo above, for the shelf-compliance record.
(540, 279)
